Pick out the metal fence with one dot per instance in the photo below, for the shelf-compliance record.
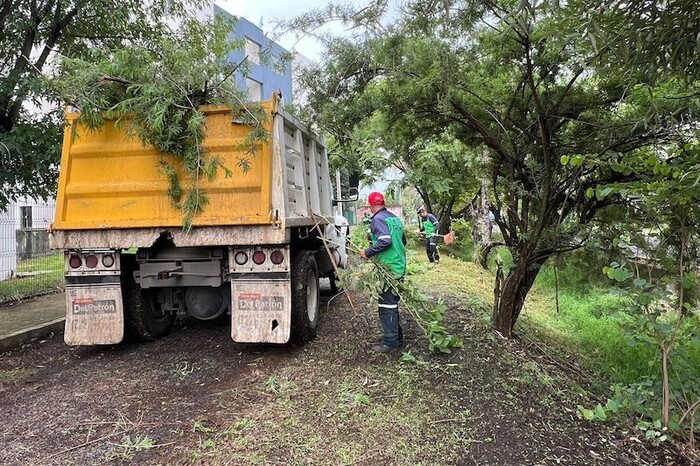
(27, 266)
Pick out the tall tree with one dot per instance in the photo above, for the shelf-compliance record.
(33, 32)
(524, 81)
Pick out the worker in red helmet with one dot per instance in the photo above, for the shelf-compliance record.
(389, 247)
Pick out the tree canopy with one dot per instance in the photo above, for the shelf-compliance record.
(542, 88)
(34, 33)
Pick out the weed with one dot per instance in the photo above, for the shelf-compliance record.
(653, 431)
(207, 444)
(406, 356)
(130, 446)
(238, 426)
(200, 427)
(183, 369)
(13, 374)
(273, 385)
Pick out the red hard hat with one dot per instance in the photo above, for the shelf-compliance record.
(375, 198)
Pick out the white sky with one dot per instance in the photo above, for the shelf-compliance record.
(263, 14)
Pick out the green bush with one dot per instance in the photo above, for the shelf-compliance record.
(462, 246)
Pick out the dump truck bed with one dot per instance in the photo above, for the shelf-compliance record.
(111, 189)
(111, 180)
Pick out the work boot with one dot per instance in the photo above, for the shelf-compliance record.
(382, 348)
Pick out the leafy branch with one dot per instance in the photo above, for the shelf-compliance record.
(427, 313)
(155, 93)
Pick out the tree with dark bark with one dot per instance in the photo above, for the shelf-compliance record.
(528, 83)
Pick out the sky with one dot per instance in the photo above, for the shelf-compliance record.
(263, 14)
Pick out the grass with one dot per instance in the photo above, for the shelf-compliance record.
(582, 328)
(33, 277)
(388, 412)
(585, 328)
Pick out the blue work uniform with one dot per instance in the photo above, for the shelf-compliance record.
(389, 247)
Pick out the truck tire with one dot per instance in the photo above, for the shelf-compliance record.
(305, 296)
(144, 319)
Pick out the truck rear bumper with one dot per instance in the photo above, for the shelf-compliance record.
(126, 238)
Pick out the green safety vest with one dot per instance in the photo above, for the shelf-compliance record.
(395, 255)
(428, 227)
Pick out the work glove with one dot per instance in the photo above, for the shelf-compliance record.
(432, 235)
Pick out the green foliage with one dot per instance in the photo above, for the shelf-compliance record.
(29, 153)
(154, 91)
(552, 118)
(428, 314)
(462, 246)
(660, 318)
(648, 37)
(32, 34)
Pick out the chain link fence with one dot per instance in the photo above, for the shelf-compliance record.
(27, 266)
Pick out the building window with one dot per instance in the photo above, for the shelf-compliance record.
(254, 89)
(252, 51)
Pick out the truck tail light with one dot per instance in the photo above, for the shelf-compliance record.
(241, 258)
(75, 261)
(108, 260)
(258, 257)
(277, 257)
(91, 261)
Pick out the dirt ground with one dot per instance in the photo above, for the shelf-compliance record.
(195, 397)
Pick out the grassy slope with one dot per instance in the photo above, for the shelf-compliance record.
(596, 343)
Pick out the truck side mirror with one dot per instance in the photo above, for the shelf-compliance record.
(354, 181)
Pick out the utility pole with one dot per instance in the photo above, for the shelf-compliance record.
(338, 192)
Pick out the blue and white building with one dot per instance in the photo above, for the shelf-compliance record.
(269, 68)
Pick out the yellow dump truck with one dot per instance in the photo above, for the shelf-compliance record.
(256, 251)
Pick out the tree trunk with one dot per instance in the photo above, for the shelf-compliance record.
(481, 232)
(666, 391)
(514, 290)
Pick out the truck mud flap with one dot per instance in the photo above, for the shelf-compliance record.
(261, 311)
(94, 315)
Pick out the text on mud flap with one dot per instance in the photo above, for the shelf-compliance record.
(91, 306)
(257, 302)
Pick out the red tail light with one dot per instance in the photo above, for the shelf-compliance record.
(75, 261)
(91, 261)
(258, 257)
(277, 257)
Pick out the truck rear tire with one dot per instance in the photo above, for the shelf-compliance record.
(144, 319)
(305, 296)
